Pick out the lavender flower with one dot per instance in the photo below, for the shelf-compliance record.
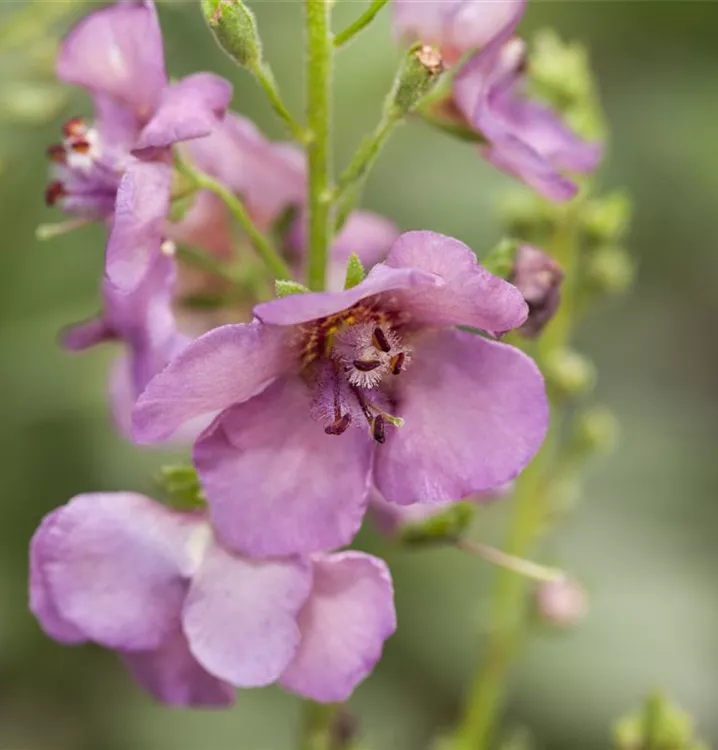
(538, 277)
(121, 168)
(310, 396)
(192, 619)
(144, 322)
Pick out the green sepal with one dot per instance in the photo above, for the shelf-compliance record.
(235, 30)
(444, 528)
(419, 73)
(355, 272)
(285, 288)
(181, 487)
(500, 260)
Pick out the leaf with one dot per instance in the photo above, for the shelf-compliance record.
(283, 288)
(355, 272)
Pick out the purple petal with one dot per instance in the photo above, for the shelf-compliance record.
(276, 483)
(269, 176)
(240, 617)
(206, 225)
(226, 366)
(475, 413)
(191, 108)
(41, 601)
(143, 202)
(174, 677)
(117, 51)
(114, 565)
(470, 295)
(344, 625)
(123, 395)
(117, 127)
(301, 308)
(87, 334)
(474, 24)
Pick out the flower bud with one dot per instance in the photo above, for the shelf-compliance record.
(526, 215)
(538, 277)
(606, 219)
(500, 261)
(569, 372)
(596, 430)
(562, 603)
(417, 76)
(235, 30)
(610, 271)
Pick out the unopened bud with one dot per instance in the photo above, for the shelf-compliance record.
(569, 372)
(606, 219)
(596, 430)
(610, 271)
(235, 30)
(500, 261)
(538, 277)
(562, 603)
(526, 215)
(417, 76)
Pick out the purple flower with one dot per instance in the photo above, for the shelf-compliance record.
(538, 277)
(455, 26)
(143, 321)
(525, 138)
(117, 54)
(192, 619)
(308, 398)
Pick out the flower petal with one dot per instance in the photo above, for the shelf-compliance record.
(240, 617)
(117, 51)
(226, 366)
(173, 676)
(473, 24)
(344, 625)
(470, 295)
(191, 108)
(475, 413)
(114, 564)
(276, 483)
(41, 601)
(87, 334)
(301, 308)
(143, 202)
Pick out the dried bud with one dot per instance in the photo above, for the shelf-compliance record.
(235, 30)
(562, 603)
(538, 277)
(417, 76)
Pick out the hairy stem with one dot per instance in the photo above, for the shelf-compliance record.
(265, 78)
(319, 147)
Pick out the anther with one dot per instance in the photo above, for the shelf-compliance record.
(366, 365)
(380, 340)
(397, 363)
(56, 152)
(75, 127)
(377, 429)
(54, 191)
(340, 426)
(81, 146)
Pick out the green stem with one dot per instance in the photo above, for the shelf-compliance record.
(452, 128)
(265, 78)
(319, 83)
(204, 262)
(317, 726)
(359, 24)
(262, 245)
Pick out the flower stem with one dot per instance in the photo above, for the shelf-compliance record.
(518, 565)
(319, 147)
(317, 726)
(262, 245)
(265, 78)
(346, 35)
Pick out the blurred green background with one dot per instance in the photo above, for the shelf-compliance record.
(643, 538)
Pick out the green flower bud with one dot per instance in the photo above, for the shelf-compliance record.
(500, 260)
(596, 430)
(610, 271)
(419, 72)
(526, 216)
(235, 30)
(605, 220)
(442, 528)
(560, 70)
(569, 372)
(355, 272)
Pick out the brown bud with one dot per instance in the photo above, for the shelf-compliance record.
(538, 277)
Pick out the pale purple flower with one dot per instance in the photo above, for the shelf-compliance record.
(116, 53)
(308, 398)
(538, 277)
(455, 26)
(143, 321)
(524, 138)
(562, 602)
(192, 619)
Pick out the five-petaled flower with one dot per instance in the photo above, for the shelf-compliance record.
(328, 393)
(192, 619)
(121, 168)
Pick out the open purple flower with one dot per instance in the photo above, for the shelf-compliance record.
(192, 619)
(525, 138)
(310, 398)
(144, 322)
(117, 54)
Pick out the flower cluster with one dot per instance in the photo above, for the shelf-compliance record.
(392, 388)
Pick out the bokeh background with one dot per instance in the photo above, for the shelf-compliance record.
(643, 538)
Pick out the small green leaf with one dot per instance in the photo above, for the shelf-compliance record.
(443, 528)
(283, 288)
(500, 261)
(355, 272)
(181, 487)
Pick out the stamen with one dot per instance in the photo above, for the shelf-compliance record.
(377, 429)
(54, 191)
(397, 363)
(57, 153)
(340, 426)
(366, 365)
(380, 340)
(75, 127)
(81, 146)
